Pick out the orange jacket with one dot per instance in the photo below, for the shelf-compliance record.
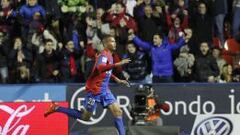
(153, 114)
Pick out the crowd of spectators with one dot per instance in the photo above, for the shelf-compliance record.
(56, 41)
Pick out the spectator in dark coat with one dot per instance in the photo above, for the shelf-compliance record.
(6, 21)
(193, 47)
(18, 55)
(138, 10)
(219, 9)
(23, 74)
(4, 48)
(69, 64)
(52, 9)
(53, 15)
(136, 70)
(149, 24)
(206, 68)
(48, 65)
(236, 18)
(202, 25)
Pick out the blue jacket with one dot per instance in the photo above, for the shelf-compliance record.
(162, 63)
(27, 12)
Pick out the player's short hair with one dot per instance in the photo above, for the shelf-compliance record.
(159, 34)
(105, 38)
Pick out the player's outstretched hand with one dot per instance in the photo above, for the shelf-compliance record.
(122, 62)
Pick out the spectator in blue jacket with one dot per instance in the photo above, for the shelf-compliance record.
(27, 12)
(161, 55)
(30, 8)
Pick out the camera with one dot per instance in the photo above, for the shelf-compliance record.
(139, 107)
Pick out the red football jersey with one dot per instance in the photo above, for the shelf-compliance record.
(98, 81)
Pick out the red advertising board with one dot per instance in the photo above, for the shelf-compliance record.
(28, 119)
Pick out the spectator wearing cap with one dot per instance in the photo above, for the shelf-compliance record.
(161, 55)
(205, 68)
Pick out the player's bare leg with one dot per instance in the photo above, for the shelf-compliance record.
(117, 113)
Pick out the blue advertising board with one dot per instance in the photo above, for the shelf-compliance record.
(35, 93)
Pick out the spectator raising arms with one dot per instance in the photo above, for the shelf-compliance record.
(161, 55)
(118, 17)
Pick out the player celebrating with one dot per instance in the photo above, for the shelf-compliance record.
(97, 88)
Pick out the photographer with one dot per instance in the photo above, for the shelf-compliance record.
(153, 108)
(147, 106)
